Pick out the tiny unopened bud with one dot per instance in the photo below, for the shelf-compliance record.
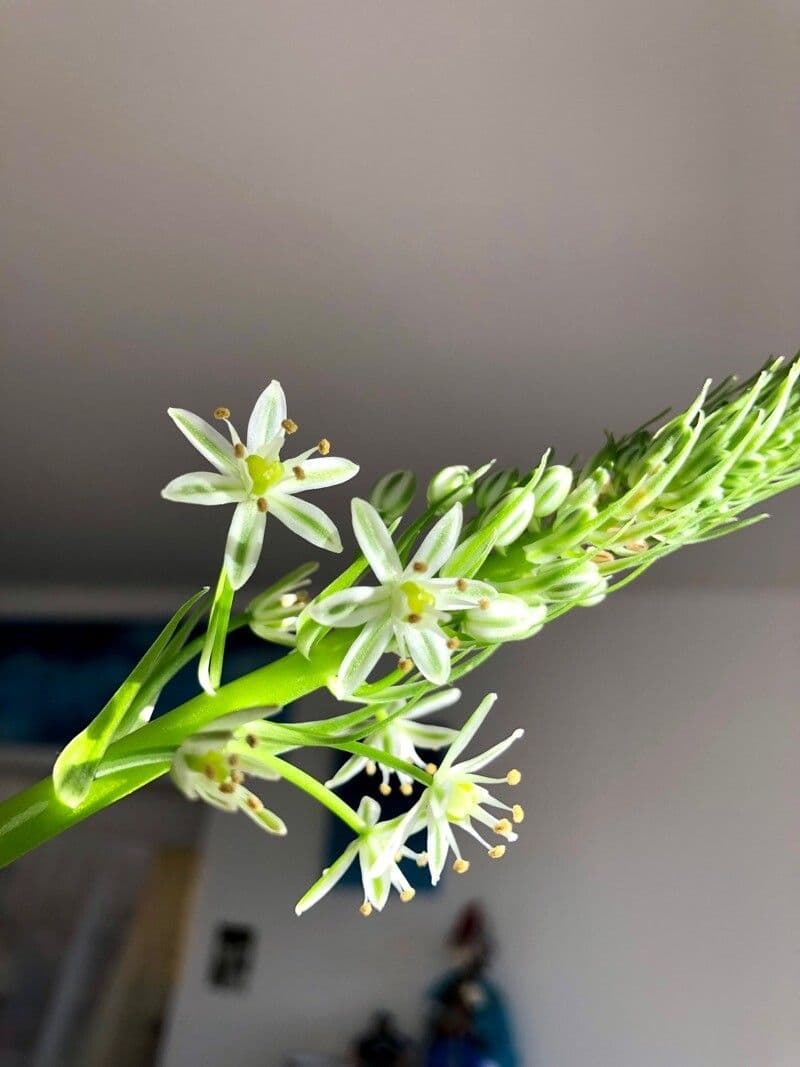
(461, 866)
(289, 425)
(552, 490)
(393, 493)
(497, 852)
(324, 446)
(517, 507)
(449, 484)
(493, 486)
(222, 413)
(514, 777)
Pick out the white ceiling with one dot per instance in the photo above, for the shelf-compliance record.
(453, 231)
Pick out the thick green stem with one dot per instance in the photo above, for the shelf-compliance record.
(35, 815)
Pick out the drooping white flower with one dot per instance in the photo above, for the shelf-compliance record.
(252, 476)
(204, 768)
(400, 737)
(458, 797)
(407, 610)
(377, 849)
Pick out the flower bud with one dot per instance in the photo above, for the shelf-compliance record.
(566, 581)
(504, 618)
(516, 522)
(552, 490)
(494, 486)
(393, 493)
(447, 481)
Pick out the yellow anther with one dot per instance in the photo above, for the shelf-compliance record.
(413, 617)
(222, 413)
(404, 664)
(324, 446)
(453, 643)
(406, 788)
(253, 803)
(251, 740)
(636, 546)
(431, 768)
(514, 777)
(461, 866)
(407, 895)
(209, 772)
(420, 567)
(237, 776)
(422, 859)
(503, 826)
(384, 789)
(366, 909)
(299, 473)
(262, 504)
(371, 768)
(289, 425)
(233, 760)
(518, 813)
(603, 556)
(226, 787)
(462, 585)
(483, 603)
(497, 852)
(239, 450)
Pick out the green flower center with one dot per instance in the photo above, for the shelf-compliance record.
(264, 472)
(462, 800)
(418, 598)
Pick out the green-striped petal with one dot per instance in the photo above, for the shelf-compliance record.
(266, 418)
(363, 654)
(208, 441)
(204, 487)
(245, 538)
(375, 541)
(427, 647)
(317, 473)
(505, 618)
(439, 545)
(306, 520)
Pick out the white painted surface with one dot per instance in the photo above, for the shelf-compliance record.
(647, 917)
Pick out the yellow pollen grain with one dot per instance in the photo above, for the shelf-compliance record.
(420, 566)
(407, 895)
(384, 789)
(462, 585)
(222, 413)
(461, 866)
(299, 473)
(483, 603)
(517, 813)
(238, 450)
(413, 617)
(404, 664)
(431, 768)
(324, 446)
(514, 777)
(406, 788)
(289, 425)
(262, 504)
(453, 643)
(497, 852)
(503, 826)
(366, 909)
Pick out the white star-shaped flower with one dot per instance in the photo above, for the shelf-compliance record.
(407, 610)
(377, 849)
(252, 476)
(400, 737)
(458, 797)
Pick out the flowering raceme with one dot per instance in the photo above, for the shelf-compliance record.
(493, 557)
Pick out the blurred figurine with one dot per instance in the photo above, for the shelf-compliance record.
(382, 1045)
(469, 1024)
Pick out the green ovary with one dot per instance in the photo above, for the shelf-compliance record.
(419, 599)
(462, 801)
(264, 472)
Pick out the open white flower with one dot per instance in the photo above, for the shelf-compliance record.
(406, 611)
(252, 476)
(203, 768)
(377, 848)
(400, 737)
(458, 797)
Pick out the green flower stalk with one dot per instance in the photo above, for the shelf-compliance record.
(495, 556)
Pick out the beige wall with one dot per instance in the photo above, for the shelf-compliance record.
(648, 915)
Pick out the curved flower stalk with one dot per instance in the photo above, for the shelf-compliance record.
(399, 733)
(253, 477)
(409, 610)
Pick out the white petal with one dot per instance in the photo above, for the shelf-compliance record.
(363, 654)
(468, 730)
(376, 887)
(435, 702)
(328, 880)
(208, 441)
(375, 541)
(440, 543)
(437, 848)
(245, 538)
(204, 487)
(349, 769)
(506, 618)
(306, 520)
(266, 418)
(350, 607)
(261, 816)
(317, 473)
(485, 758)
(427, 735)
(427, 647)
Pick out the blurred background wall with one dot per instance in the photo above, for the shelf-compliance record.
(453, 230)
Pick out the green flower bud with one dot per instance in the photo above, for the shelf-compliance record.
(552, 490)
(504, 618)
(447, 481)
(494, 486)
(566, 581)
(393, 493)
(516, 521)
